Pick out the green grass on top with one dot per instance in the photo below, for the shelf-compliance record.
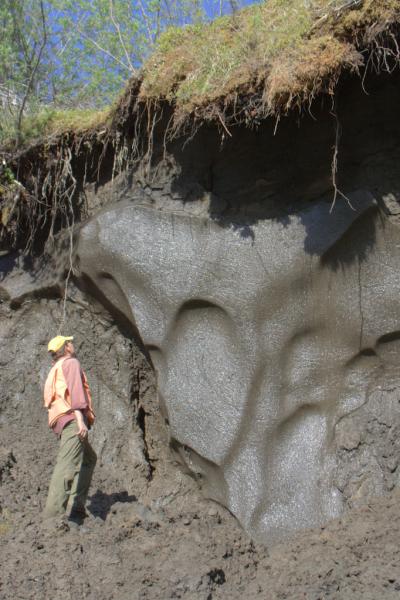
(200, 61)
(48, 122)
(285, 45)
(274, 55)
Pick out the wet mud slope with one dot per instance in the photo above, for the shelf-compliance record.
(242, 344)
(190, 549)
(150, 534)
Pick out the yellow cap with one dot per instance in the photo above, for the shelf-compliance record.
(57, 342)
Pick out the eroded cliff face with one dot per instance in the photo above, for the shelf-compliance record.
(260, 347)
(271, 316)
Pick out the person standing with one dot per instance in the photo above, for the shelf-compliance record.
(68, 401)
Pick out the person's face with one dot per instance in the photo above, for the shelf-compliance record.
(69, 348)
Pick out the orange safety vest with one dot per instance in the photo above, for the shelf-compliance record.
(56, 395)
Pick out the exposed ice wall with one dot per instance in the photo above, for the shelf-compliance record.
(263, 339)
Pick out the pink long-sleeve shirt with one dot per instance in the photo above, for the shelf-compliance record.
(72, 372)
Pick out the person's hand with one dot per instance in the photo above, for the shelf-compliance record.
(82, 429)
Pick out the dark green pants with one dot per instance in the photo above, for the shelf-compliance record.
(72, 474)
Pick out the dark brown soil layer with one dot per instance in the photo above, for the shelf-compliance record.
(189, 549)
(150, 536)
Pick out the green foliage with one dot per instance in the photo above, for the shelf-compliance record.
(69, 53)
(50, 121)
(23, 47)
(103, 42)
(57, 56)
(7, 186)
(7, 176)
(22, 34)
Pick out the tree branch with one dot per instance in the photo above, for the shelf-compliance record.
(146, 20)
(92, 41)
(118, 30)
(33, 72)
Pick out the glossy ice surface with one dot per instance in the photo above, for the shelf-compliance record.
(263, 338)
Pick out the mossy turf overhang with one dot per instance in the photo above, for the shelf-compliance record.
(277, 54)
(264, 60)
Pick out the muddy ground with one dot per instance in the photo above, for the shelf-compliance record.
(190, 549)
(150, 534)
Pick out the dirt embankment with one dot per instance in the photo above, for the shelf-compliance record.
(150, 535)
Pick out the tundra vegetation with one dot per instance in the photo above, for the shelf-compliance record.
(264, 60)
(61, 61)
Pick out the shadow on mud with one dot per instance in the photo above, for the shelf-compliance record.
(101, 503)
